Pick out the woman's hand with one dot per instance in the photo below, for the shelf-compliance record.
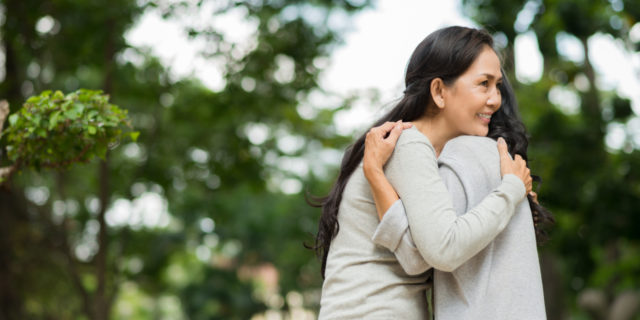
(516, 166)
(534, 196)
(379, 144)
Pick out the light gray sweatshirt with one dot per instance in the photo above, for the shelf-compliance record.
(503, 280)
(366, 281)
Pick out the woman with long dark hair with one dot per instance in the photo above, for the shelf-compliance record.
(445, 98)
(501, 281)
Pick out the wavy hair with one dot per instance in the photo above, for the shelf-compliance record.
(446, 54)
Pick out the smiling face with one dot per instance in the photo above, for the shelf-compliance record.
(467, 104)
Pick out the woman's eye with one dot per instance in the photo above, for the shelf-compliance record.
(484, 83)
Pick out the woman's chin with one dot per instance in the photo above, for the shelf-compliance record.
(479, 132)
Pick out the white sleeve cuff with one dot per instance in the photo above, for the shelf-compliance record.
(393, 225)
(409, 257)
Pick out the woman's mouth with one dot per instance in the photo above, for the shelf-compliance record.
(485, 117)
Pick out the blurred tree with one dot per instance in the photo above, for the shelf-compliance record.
(201, 217)
(591, 263)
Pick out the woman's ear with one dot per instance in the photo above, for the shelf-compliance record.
(437, 92)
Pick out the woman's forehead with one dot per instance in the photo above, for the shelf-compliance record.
(486, 64)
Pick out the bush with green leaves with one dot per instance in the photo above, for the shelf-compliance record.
(54, 130)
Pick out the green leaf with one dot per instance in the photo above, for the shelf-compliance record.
(80, 107)
(134, 135)
(53, 121)
(13, 119)
(91, 129)
(58, 95)
(65, 105)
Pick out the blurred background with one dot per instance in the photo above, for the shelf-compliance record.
(243, 106)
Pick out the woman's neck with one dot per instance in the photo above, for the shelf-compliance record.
(436, 130)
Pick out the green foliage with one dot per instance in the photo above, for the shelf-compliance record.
(194, 156)
(53, 130)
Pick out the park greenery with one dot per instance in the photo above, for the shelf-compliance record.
(52, 130)
(188, 203)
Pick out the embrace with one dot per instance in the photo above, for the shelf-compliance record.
(437, 197)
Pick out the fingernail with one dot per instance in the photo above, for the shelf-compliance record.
(501, 140)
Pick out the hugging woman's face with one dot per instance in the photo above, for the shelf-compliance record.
(468, 103)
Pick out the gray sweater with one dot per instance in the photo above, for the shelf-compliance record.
(500, 282)
(366, 280)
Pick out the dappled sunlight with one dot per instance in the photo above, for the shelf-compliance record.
(148, 210)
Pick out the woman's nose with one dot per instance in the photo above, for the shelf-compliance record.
(495, 99)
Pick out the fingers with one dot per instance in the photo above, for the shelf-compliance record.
(395, 133)
(517, 165)
(529, 184)
(534, 196)
(518, 159)
(385, 127)
(503, 150)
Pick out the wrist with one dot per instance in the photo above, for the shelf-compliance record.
(372, 172)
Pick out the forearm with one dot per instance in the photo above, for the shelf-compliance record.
(443, 238)
(383, 192)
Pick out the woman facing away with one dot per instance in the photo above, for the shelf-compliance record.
(453, 88)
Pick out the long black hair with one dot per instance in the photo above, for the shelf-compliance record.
(446, 54)
(506, 123)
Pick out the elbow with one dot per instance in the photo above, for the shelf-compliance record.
(446, 260)
(445, 266)
(414, 267)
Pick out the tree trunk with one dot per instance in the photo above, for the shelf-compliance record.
(10, 299)
(104, 297)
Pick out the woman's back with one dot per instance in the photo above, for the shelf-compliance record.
(363, 280)
(503, 280)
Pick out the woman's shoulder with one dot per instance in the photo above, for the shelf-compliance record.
(470, 144)
(412, 144)
(413, 135)
(468, 150)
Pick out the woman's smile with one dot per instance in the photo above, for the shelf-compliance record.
(484, 117)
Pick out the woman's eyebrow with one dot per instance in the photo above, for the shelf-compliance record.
(490, 76)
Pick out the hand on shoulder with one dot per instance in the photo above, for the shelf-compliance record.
(516, 166)
(379, 144)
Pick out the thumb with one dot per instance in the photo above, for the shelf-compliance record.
(395, 133)
(503, 150)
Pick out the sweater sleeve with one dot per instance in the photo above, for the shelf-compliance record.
(443, 239)
(394, 233)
